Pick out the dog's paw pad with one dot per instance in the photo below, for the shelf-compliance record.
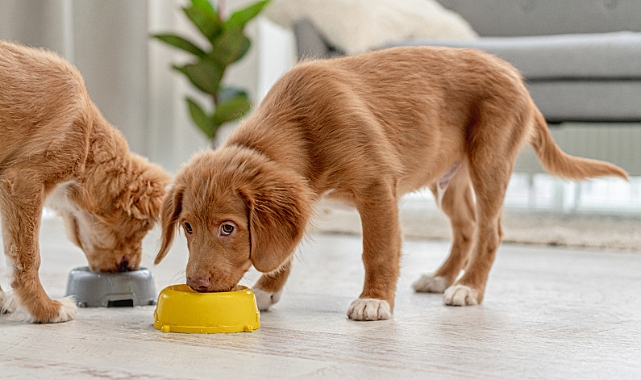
(460, 295)
(264, 299)
(369, 309)
(430, 283)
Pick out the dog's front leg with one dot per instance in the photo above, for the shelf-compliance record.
(381, 253)
(269, 286)
(21, 202)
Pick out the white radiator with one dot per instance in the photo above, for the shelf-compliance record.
(619, 144)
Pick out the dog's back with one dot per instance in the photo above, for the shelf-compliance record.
(402, 111)
(38, 89)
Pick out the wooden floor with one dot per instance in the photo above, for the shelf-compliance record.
(549, 313)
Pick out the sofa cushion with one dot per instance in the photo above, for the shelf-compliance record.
(574, 56)
(502, 18)
(594, 101)
(355, 26)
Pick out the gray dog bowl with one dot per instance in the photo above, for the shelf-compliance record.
(102, 289)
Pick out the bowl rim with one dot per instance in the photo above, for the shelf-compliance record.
(85, 270)
(184, 288)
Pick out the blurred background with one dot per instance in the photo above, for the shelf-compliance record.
(129, 76)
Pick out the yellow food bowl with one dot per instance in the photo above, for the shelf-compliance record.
(181, 309)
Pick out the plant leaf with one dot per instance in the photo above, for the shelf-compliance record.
(180, 43)
(202, 14)
(205, 6)
(205, 74)
(229, 47)
(232, 109)
(203, 122)
(239, 18)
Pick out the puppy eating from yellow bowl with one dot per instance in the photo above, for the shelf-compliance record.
(182, 309)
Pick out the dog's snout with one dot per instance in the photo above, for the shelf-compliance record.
(199, 284)
(124, 265)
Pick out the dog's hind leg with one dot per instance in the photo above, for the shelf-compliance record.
(21, 201)
(381, 252)
(457, 203)
(269, 286)
(489, 176)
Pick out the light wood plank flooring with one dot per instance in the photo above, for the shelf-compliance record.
(550, 313)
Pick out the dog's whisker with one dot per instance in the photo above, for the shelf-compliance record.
(244, 281)
(179, 276)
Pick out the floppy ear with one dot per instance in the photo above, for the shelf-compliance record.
(145, 192)
(171, 208)
(279, 206)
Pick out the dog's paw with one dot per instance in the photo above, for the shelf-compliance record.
(460, 295)
(68, 310)
(430, 284)
(369, 309)
(265, 299)
(4, 309)
(8, 302)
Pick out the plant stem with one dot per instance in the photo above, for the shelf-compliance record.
(221, 8)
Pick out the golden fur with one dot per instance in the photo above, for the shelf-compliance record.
(54, 142)
(365, 129)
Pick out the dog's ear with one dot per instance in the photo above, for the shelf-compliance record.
(144, 195)
(279, 207)
(170, 211)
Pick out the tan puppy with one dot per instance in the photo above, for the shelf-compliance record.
(54, 142)
(365, 129)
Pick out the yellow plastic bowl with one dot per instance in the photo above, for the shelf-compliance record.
(181, 309)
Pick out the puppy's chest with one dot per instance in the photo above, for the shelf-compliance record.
(58, 199)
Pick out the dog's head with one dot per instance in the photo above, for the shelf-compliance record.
(114, 214)
(237, 209)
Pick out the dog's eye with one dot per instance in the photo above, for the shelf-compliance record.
(188, 228)
(226, 229)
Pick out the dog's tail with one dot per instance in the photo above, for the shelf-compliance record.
(560, 164)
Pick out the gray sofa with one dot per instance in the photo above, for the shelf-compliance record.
(581, 58)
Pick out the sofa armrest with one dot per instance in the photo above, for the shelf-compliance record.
(310, 44)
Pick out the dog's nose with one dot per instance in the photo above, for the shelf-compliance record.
(124, 265)
(199, 284)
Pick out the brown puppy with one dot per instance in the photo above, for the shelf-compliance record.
(55, 143)
(365, 129)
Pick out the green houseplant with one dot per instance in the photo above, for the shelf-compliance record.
(227, 43)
